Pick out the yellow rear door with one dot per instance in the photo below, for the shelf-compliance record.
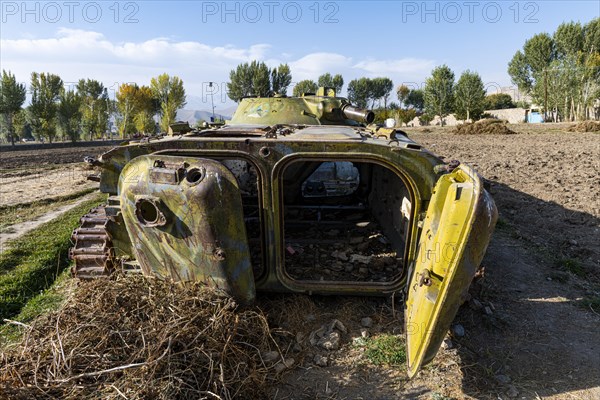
(454, 236)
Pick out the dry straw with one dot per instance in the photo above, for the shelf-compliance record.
(135, 338)
(585, 126)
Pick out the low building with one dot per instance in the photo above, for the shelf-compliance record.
(512, 115)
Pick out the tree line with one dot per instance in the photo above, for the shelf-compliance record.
(561, 72)
(138, 105)
(84, 110)
(256, 79)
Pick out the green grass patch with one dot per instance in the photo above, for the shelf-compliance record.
(573, 266)
(386, 350)
(48, 300)
(591, 302)
(33, 261)
(16, 213)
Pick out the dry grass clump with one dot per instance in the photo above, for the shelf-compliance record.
(585, 126)
(140, 339)
(484, 127)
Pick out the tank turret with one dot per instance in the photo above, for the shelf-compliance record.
(322, 108)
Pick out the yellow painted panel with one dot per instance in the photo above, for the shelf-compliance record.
(455, 233)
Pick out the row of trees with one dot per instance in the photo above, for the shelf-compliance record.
(138, 105)
(54, 109)
(364, 92)
(466, 98)
(441, 95)
(86, 109)
(326, 80)
(561, 72)
(467, 104)
(256, 79)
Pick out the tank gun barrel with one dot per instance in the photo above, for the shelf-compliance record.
(358, 114)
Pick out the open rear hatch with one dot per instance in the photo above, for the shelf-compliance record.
(454, 236)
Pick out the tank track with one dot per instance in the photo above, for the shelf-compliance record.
(92, 250)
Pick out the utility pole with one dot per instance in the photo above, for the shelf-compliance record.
(210, 85)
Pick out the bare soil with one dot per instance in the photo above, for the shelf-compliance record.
(527, 334)
(17, 159)
(546, 185)
(37, 182)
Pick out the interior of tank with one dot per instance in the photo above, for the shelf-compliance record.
(342, 221)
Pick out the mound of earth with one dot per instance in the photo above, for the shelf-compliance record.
(484, 127)
(585, 126)
(139, 338)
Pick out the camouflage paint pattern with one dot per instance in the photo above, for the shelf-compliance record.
(185, 219)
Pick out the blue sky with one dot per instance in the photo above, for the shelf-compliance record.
(118, 42)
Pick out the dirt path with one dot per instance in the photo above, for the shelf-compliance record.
(22, 228)
(539, 335)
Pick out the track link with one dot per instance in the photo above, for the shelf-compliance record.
(92, 251)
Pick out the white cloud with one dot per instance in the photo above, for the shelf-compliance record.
(315, 64)
(75, 54)
(92, 47)
(407, 70)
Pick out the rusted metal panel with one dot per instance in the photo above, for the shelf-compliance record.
(192, 231)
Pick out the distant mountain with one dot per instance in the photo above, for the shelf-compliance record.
(192, 116)
(226, 111)
(200, 103)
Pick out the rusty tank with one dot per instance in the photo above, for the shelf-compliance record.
(299, 195)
